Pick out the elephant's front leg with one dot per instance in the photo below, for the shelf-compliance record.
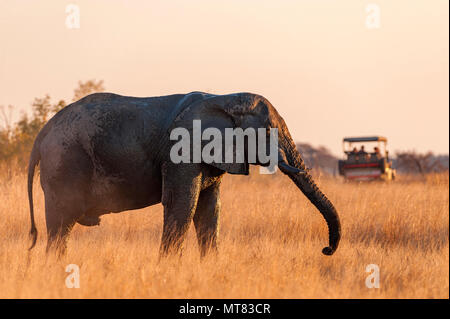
(180, 192)
(206, 219)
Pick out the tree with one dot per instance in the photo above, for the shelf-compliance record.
(412, 162)
(87, 88)
(318, 158)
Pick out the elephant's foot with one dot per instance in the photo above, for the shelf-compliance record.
(89, 221)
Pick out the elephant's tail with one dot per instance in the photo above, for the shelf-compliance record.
(34, 161)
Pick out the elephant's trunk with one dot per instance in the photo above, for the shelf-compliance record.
(299, 175)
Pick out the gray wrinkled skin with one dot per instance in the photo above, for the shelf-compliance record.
(108, 153)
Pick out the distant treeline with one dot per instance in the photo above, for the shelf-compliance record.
(420, 163)
(411, 162)
(16, 139)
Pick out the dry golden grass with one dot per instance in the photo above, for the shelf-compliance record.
(270, 245)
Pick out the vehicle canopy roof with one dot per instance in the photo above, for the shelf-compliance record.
(365, 139)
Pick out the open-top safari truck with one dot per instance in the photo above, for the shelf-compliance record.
(363, 163)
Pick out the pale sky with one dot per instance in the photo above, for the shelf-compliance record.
(328, 75)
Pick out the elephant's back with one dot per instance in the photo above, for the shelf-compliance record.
(109, 108)
(112, 125)
(102, 114)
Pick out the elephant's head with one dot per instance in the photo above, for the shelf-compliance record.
(246, 110)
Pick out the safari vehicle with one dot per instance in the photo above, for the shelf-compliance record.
(366, 159)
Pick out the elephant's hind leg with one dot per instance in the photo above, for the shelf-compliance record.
(206, 219)
(60, 220)
(58, 229)
(66, 174)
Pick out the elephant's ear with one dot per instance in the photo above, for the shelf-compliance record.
(223, 123)
(226, 113)
(218, 115)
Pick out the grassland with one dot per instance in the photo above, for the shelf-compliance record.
(270, 245)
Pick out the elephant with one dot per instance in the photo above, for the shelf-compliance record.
(108, 153)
